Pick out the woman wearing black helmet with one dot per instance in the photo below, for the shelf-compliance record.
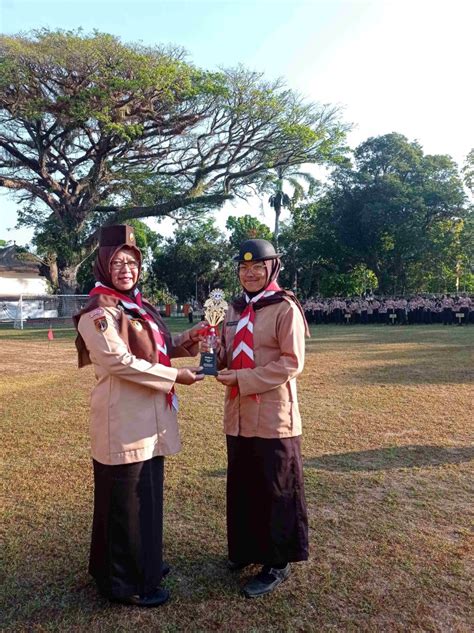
(263, 352)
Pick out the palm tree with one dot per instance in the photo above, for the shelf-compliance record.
(279, 199)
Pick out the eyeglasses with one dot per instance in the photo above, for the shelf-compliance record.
(256, 269)
(118, 264)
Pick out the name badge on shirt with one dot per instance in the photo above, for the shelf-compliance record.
(230, 323)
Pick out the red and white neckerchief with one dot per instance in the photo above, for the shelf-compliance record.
(242, 354)
(137, 306)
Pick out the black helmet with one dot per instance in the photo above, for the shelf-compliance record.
(256, 250)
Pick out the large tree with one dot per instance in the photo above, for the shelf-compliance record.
(468, 171)
(246, 227)
(315, 259)
(387, 207)
(93, 132)
(192, 262)
(397, 213)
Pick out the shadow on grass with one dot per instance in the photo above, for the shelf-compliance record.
(405, 357)
(412, 456)
(49, 602)
(220, 473)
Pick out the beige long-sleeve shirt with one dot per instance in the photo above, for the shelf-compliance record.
(279, 343)
(130, 419)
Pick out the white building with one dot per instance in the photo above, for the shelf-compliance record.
(20, 273)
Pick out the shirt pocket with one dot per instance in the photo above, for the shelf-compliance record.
(275, 418)
(132, 417)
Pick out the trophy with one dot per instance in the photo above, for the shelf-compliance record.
(214, 311)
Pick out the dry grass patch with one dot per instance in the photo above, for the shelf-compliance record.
(388, 469)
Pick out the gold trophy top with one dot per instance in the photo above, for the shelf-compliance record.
(215, 307)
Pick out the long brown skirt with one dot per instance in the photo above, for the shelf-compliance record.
(127, 531)
(267, 521)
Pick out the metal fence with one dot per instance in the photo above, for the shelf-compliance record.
(40, 310)
(45, 310)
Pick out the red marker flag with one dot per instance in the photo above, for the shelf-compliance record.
(50, 334)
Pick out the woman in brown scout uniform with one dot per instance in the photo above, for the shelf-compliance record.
(263, 348)
(133, 421)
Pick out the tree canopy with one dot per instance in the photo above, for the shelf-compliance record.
(189, 264)
(244, 228)
(468, 171)
(397, 212)
(94, 131)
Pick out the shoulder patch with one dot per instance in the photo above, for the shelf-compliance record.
(98, 312)
(101, 324)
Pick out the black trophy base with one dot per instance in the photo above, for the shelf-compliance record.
(209, 364)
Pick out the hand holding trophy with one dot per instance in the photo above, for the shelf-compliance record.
(215, 308)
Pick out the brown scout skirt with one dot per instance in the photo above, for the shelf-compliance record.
(127, 531)
(267, 521)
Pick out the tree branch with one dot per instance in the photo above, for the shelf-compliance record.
(19, 184)
(121, 214)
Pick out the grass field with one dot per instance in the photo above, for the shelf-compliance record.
(388, 459)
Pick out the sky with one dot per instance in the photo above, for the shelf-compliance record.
(392, 66)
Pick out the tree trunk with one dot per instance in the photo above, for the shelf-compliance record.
(373, 265)
(277, 206)
(49, 269)
(67, 279)
(53, 274)
(276, 233)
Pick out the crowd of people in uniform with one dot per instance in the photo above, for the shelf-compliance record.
(396, 310)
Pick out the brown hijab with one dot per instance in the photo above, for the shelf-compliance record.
(140, 342)
(105, 256)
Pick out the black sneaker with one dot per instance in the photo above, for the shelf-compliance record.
(155, 599)
(266, 581)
